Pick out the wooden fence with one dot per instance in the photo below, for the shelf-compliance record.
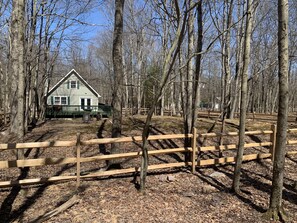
(253, 116)
(194, 150)
(213, 114)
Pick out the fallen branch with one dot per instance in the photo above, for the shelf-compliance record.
(73, 200)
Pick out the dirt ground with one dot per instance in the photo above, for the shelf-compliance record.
(172, 195)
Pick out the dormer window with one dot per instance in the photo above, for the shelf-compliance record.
(73, 84)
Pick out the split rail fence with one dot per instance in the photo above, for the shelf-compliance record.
(213, 114)
(194, 151)
(253, 116)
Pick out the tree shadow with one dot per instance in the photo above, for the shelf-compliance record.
(249, 178)
(289, 196)
(163, 144)
(102, 147)
(34, 125)
(6, 207)
(252, 137)
(222, 187)
(291, 159)
(6, 213)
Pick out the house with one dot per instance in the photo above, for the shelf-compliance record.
(71, 96)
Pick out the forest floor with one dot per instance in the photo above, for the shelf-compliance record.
(172, 195)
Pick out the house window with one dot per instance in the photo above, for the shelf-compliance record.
(57, 100)
(60, 100)
(63, 101)
(73, 84)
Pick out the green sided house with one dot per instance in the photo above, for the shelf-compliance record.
(72, 96)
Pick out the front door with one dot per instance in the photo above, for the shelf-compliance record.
(85, 103)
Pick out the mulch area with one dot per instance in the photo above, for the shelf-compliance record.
(172, 195)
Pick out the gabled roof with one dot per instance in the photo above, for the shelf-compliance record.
(79, 77)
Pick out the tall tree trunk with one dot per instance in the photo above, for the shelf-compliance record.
(30, 114)
(243, 100)
(189, 80)
(126, 73)
(17, 64)
(118, 74)
(167, 69)
(226, 61)
(165, 40)
(275, 208)
(2, 88)
(196, 78)
(139, 68)
(172, 94)
(238, 66)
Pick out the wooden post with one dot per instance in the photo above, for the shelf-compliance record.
(254, 116)
(194, 149)
(78, 161)
(273, 140)
(208, 114)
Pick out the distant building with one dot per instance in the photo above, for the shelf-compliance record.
(72, 96)
(74, 91)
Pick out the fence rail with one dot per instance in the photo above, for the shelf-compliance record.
(253, 116)
(194, 150)
(208, 114)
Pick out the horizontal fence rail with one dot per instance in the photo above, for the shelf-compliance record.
(207, 114)
(194, 152)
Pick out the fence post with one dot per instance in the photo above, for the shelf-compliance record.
(273, 141)
(254, 116)
(194, 149)
(78, 160)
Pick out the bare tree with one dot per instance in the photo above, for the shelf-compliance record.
(198, 69)
(188, 85)
(167, 68)
(17, 68)
(118, 73)
(276, 210)
(243, 99)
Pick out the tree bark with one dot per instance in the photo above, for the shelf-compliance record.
(196, 78)
(243, 99)
(2, 88)
(275, 208)
(226, 61)
(238, 66)
(118, 74)
(188, 100)
(17, 66)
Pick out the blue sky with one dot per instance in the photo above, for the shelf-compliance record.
(99, 20)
